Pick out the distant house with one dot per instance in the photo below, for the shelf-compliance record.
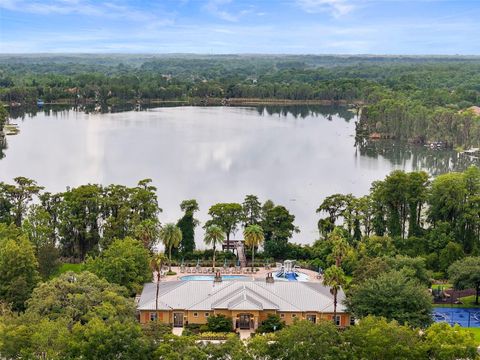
(247, 302)
(474, 109)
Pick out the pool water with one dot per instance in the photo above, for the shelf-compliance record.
(300, 277)
(465, 317)
(210, 277)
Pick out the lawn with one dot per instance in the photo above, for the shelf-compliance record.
(441, 286)
(476, 332)
(467, 302)
(65, 267)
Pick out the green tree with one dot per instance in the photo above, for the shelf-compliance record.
(227, 216)
(394, 296)
(214, 235)
(278, 226)
(125, 262)
(305, 340)
(334, 278)
(75, 316)
(171, 237)
(451, 253)
(148, 232)
(340, 246)
(79, 221)
(252, 210)
(179, 348)
(450, 343)
(253, 235)
(18, 271)
(187, 225)
(3, 116)
(465, 274)
(20, 195)
(377, 338)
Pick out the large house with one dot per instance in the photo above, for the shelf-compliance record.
(247, 302)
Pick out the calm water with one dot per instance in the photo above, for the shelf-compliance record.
(294, 156)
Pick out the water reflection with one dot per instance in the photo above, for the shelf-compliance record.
(419, 157)
(3, 145)
(295, 156)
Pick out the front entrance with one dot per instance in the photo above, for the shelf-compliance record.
(177, 319)
(244, 321)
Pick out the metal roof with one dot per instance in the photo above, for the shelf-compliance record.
(244, 294)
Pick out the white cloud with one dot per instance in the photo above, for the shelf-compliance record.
(109, 9)
(336, 8)
(218, 9)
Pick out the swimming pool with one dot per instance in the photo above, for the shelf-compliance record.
(210, 277)
(465, 317)
(300, 277)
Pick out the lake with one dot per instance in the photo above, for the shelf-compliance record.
(295, 156)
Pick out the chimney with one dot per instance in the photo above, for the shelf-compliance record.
(218, 277)
(269, 278)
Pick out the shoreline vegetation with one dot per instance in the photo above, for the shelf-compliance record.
(206, 101)
(428, 100)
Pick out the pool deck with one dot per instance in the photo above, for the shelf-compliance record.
(260, 274)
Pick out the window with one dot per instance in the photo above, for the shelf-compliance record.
(294, 316)
(195, 314)
(312, 318)
(153, 316)
(337, 320)
(352, 320)
(207, 314)
(282, 315)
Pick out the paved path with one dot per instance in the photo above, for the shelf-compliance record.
(177, 331)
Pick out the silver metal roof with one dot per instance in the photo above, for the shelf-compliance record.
(241, 294)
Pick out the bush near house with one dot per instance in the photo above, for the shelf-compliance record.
(219, 323)
(270, 324)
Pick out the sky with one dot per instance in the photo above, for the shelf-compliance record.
(241, 26)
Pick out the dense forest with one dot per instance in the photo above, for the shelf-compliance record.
(420, 99)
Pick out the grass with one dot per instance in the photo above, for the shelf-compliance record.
(467, 302)
(441, 286)
(476, 332)
(65, 267)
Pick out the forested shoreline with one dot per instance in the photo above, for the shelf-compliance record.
(419, 99)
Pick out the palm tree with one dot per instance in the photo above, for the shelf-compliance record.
(334, 277)
(253, 235)
(340, 246)
(214, 235)
(156, 264)
(171, 236)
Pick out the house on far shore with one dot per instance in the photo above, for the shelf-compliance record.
(474, 110)
(246, 301)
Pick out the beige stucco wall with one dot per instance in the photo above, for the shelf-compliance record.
(258, 316)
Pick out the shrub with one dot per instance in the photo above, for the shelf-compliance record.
(270, 324)
(219, 323)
